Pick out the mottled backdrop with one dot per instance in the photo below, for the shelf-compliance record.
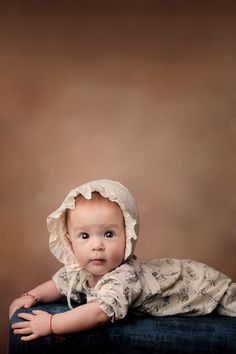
(139, 91)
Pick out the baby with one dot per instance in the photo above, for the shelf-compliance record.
(93, 233)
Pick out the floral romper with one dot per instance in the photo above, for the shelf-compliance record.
(161, 287)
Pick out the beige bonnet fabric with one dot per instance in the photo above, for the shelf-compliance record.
(114, 191)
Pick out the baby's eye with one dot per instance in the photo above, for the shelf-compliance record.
(84, 235)
(109, 234)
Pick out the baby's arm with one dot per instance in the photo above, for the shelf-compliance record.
(41, 323)
(46, 292)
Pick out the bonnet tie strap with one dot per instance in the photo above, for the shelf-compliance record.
(70, 287)
(73, 270)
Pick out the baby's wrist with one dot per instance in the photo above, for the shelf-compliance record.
(32, 296)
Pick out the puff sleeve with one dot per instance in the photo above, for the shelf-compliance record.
(116, 291)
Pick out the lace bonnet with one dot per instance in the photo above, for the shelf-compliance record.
(116, 192)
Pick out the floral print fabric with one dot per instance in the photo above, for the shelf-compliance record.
(161, 287)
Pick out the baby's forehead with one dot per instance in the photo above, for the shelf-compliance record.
(94, 209)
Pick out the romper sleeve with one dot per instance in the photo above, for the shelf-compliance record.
(117, 290)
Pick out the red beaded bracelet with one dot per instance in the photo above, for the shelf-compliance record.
(34, 297)
(50, 324)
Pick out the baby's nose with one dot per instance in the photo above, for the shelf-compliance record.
(98, 243)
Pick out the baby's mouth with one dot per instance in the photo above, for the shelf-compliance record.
(97, 261)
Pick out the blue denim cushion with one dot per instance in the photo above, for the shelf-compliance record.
(135, 334)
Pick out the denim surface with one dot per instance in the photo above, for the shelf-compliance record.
(135, 334)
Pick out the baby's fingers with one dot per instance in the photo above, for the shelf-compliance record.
(38, 312)
(25, 316)
(13, 310)
(17, 325)
(30, 337)
(27, 305)
(23, 331)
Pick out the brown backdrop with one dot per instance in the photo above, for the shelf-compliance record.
(138, 91)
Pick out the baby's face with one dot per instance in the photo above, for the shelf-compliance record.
(97, 235)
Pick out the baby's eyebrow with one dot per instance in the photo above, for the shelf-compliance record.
(81, 227)
(109, 226)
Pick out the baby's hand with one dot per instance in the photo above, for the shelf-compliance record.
(36, 325)
(25, 301)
